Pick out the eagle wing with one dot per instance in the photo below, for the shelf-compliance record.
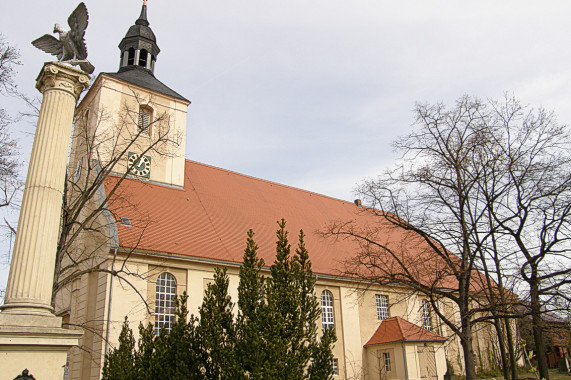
(49, 44)
(78, 23)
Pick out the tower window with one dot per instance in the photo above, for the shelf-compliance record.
(145, 116)
(143, 58)
(327, 321)
(131, 57)
(164, 302)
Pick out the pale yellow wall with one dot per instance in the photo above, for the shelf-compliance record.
(375, 363)
(127, 302)
(353, 348)
(440, 351)
(398, 351)
(412, 365)
(355, 314)
(413, 360)
(83, 305)
(15, 360)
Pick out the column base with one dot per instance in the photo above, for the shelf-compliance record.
(26, 307)
(36, 343)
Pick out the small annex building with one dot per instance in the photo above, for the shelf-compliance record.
(172, 221)
(402, 350)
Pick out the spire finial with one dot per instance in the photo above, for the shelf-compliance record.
(142, 20)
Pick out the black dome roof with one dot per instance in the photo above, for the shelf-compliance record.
(141, 27)
(141, 31)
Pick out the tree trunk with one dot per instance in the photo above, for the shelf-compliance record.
(511, 350)
(469, 358)
(502, 346)
(537, 324)
(466, 342)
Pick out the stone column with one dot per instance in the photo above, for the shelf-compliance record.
(31, 277)
(31, 336)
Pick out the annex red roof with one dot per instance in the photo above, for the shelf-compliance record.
(396, 329)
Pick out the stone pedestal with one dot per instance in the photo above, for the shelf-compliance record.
(31, 336)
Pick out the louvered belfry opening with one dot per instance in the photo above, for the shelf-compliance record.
(145, 116)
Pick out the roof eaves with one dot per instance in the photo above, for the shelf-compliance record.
(159, 88)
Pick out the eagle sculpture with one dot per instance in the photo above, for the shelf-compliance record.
(70, 48)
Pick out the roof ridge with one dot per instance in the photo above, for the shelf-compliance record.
(398, 321)
(268, 181)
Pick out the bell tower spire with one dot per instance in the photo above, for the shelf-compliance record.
(139, 47)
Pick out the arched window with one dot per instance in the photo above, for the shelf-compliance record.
(327, 321)
(131, 56)
(145, 116)
(164, 302)
(143, 58)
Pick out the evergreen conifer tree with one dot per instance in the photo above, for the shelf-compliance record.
(119, 363)
(292, 314)
(321, 367)
(218, 331)
(274, 336)
(281, 361)
(250, 348)
(145, 353)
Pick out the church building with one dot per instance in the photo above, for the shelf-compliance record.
(164, 227)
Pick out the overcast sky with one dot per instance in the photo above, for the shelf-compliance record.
(311, 93)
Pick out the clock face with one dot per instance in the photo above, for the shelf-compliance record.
(139, 166)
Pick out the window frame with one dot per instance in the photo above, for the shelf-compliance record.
(142, 124)
(335, 367)
(387, 362)
(327, 310)
(165, 295)
(382, 310)
(426, 316)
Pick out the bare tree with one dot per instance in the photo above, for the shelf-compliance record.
(100, 150)
(531, 204)
(434, 221)
(9, 163)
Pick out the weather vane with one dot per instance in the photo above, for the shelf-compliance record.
(70, 48)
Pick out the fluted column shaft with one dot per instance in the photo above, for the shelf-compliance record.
(30, 282)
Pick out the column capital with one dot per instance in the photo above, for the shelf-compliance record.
(59, 76)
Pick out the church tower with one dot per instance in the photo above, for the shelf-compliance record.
(129, 120)
(129, 125)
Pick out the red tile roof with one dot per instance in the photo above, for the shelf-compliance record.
(396, 329)
(209, 218)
